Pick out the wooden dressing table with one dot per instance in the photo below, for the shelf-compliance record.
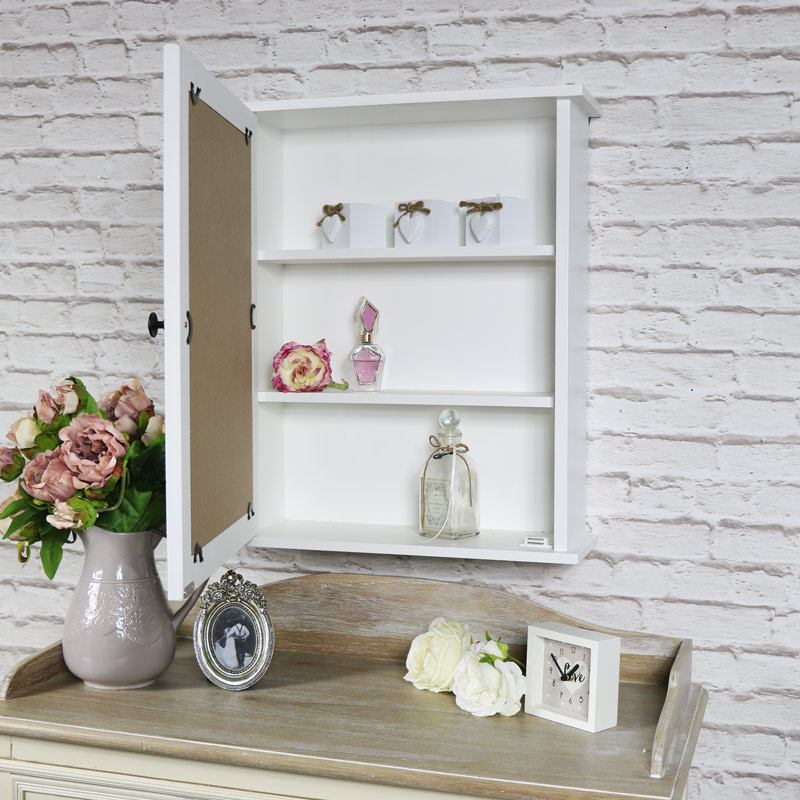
(333, 718)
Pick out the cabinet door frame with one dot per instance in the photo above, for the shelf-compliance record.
(186, 569)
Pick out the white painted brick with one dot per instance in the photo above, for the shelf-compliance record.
(132, 15)
(441, 79)
(607, 78)
(90, 18)
(769, 375)
(716, 669)
(394, 80)
(32, 99)
(779, 461)
(150, 131)
(256, 12)
(107, 58)
(691, 118)
(535, 37)
(20, 133)
(46, 23)
(640, 579)
(684, 287)
(719, 160)
(38, 205)
(112, 132)
(101, 278)
(34, 239)
(771, 243)
(662, 201)
(774, 710)
(36, 316)
(754, 417)
(605, 329)
(652, 76)
(273, 85)
(651, 457)
(775, 158)
(771, 74)
(324, 82)
(323, 12)
(675, 33)
(131, 240)
(631, 242)
(651, 415)
(147, 57)
(707, 244)
(128, 167)
(655, 328)
(716, 73)
(616, 287)
(528, 73)
(711, 624)
(457, 39)
(123, 94)
(627, 121)
(688, 372)
(79, 95)
(753, 29)
(377, 46)
(299, 47)
(37, 280)
(38, 60)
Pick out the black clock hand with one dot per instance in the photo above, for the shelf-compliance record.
(563, 676)
(568, 676)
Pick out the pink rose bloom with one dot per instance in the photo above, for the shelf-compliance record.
(301, 367)
(64, 517)
(67, 397)
(47, 478)
(90, 449)
(45, 408)
(11, 463)
(124, 406)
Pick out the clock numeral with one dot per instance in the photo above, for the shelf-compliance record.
(573, 649)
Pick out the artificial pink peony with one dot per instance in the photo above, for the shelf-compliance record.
(91, 447)
(124, 406)
(302, 367)
(47, 478)
(45, 408)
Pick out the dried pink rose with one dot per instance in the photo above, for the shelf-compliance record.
(11, 463)
(125, 405)
(64, 517)
(67, 397)
(302, 368)
(23, 432)
(45, 408)
(155, 427)
(47, 478)
(90, 449)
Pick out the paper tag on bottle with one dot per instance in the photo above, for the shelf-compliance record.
(437, 499)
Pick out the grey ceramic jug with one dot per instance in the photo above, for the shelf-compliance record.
(119, 632)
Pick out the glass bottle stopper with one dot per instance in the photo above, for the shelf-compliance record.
(366, 320)
(449, 418)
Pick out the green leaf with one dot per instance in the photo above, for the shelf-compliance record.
(20, 521)
(488, 638)
(138, 511)
(13, 508)
(87, 513)
(147, 465)
(52, 551)
(47, 441)
(141, 424)
(503, 649)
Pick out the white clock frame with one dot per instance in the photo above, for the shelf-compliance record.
(603, 675)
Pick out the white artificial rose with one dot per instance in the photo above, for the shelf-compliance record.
(155, 427)
(433, 655)
(486, 688)
(23, 432)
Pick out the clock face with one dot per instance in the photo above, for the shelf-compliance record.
(565, 678)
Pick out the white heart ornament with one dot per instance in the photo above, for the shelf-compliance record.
(565, 665)
(410, 226)
(331, 227)
(481, 224)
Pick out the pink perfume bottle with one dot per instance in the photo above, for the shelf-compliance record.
(367, 357)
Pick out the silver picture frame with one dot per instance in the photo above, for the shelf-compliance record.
(233, 634)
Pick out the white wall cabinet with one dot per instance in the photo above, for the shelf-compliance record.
(496, 332)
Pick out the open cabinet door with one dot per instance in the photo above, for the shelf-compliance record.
(209, 255)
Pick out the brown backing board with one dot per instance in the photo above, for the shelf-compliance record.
(220, 294)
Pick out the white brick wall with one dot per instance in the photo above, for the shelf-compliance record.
(694, 470)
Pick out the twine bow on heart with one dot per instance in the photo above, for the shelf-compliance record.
(482, 206)
(331, 211)
(440, 451)
(411, 209)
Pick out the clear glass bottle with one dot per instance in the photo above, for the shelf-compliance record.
(448, 485)
(368, 359)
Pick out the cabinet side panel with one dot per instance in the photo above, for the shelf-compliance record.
(570, 351)
(220, 295)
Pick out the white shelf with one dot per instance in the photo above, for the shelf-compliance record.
(344, 537)
(403, 255)
(411, 398)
